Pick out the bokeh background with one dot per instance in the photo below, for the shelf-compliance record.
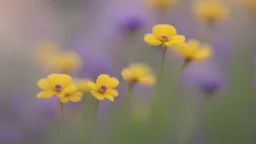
(108, 35)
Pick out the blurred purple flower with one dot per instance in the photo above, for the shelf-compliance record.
(209, 85)
(131, 23)
(205, 76)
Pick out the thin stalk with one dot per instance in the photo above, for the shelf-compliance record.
(63, 126)
(179, 105)
(160, 73)
(127, 97)
(62, 112)
(93, 125)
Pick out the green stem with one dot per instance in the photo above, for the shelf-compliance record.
(159, 76)
(93, 121)
(65, 138)
(180, 139)
(127, 97)
(62, 112)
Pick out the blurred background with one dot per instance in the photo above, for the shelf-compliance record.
(217, 94)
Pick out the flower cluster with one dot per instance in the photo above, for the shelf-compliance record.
(67, 89)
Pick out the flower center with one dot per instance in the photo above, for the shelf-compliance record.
(58, 87)
(102, 89)
(164, 38)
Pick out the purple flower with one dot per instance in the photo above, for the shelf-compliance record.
(131, 23)
(209, 86)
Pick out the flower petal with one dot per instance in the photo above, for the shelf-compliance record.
(69, 89)
(169, 30)
(53, 79)
(64, 99)
(98, 95)
(126, 74)
(175, 40)
(45, 94)
(147, 80)
(164, 29)
(92, 85)
(112, 83)
(112, 92)
(202, 53)
(150, 39)
(110, 97)
(65, 80)
(76, 97)
(42, 84)
(102, 79)
(193, 44)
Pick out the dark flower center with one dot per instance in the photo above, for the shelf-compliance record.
(102, 89)
(58, 87)
(164, 38)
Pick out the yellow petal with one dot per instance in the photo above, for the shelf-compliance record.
(45, 94)
(126, 74)
(102, 79)
(69, 89)
(76, 97)
(150, 39)
(64, 100)
(92, 86)
(164, 29)
(147, 80)
(53, 79)
(169, 30)
(193, 45)
(42, 84)
(98, 95)
(65, 80)
(202, 53)
(184, 50)
(112, 92)
(110, 97)
(175, 40)
(112, 83)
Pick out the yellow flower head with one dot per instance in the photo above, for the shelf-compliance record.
(67, 62)
(82, 85)
(104, 87)
(163, 34)
(138, 73)
(211, 10)
(192, 50)
(161, 4)
(55, 84)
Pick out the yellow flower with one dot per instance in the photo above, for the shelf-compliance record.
(192, 50)
(163, 34)
(67, 62)
(104, 87)
(211, 10)
(138, 73)
(82, 85)
(161, 4)
(55, 84)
